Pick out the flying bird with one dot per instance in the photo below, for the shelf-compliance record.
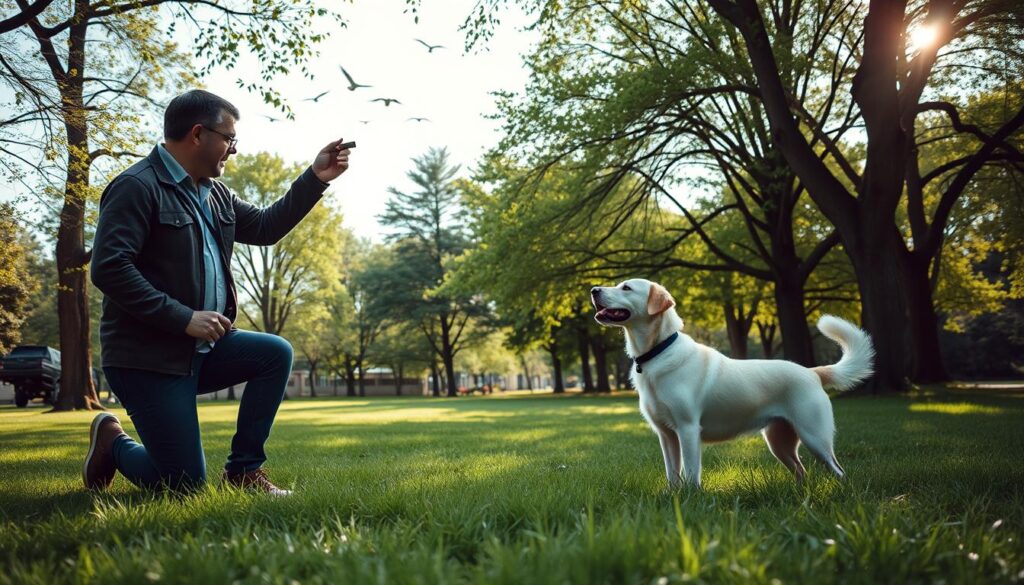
(317, 98)
(387, 101)
(271, 118)
(430, 48)
(364, 121)
(417, 120)
(352, 85)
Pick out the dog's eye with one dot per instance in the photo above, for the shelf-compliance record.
(626, 287)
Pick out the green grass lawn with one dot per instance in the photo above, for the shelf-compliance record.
(537, 489)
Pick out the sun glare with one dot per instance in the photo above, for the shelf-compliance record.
(923, 36)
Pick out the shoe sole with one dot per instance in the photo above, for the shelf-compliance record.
(94, 432)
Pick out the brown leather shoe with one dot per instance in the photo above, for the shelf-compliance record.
(254, 481)
(99, 469)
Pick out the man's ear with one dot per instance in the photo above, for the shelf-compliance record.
(659, 300)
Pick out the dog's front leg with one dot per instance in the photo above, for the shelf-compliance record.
(670, 452)
(689, 440)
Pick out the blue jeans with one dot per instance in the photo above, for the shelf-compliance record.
(163, 409)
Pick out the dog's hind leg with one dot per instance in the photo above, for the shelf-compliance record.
(784, 443)
(814, 424)
(822, 450)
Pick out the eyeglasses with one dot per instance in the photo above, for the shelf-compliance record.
(232, 141)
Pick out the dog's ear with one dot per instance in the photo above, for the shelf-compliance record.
(659, 300)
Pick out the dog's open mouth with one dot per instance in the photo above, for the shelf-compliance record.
(610, 314)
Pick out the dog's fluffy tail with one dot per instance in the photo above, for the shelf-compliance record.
(858, 354)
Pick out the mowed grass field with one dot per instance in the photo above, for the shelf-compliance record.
(532, 489)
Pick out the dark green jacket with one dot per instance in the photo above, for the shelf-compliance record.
(147, 259)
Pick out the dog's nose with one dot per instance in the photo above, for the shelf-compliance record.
(596, 291)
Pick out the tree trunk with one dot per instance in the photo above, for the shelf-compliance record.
(600, 363)
(231, 393)
(736, 330)
(583, 341)
(362, 378)
(399, 374)
(796, 337)
(556, 365)
(350, 377)
(766, 331)
(312, 379)
(789, 273)
(526, 372)
(77, 390)
(926, 363)
(449, 369)
(436, 376)
(880, 282)
(622, 366)
(448, 356)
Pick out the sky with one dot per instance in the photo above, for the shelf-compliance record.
(449, 87)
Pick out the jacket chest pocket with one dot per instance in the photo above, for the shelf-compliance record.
(174, 220)
(173, 233)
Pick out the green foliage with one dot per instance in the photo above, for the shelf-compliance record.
(666, 94)
(489, 354)
(279, 280)
(40, 318)
(129, 67)
(538, 246)
(523, 490)
(641, 121)
(987, 222)
(17, 284)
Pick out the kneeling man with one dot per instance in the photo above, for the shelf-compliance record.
(162, 258)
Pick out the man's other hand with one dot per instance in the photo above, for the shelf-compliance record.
(331, 161)
(208, 325)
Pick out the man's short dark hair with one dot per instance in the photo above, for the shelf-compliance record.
(195, 107)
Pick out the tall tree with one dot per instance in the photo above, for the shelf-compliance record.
(81, 73)
(428, 230)
(311, 334)
(890, 92)
(536, 280)
(362, 279)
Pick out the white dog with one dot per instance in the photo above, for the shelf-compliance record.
(691, 393)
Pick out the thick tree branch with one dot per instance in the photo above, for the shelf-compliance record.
(963, 178)
(27, 14)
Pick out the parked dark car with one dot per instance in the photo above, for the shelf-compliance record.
(34, 371)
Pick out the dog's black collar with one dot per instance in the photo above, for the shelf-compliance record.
(654, 352)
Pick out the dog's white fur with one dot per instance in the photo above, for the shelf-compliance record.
(691, 393)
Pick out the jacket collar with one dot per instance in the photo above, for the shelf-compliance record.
(160, 168)
(156, 159)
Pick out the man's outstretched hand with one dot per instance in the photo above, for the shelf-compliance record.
(208, 325)
(331, 161)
